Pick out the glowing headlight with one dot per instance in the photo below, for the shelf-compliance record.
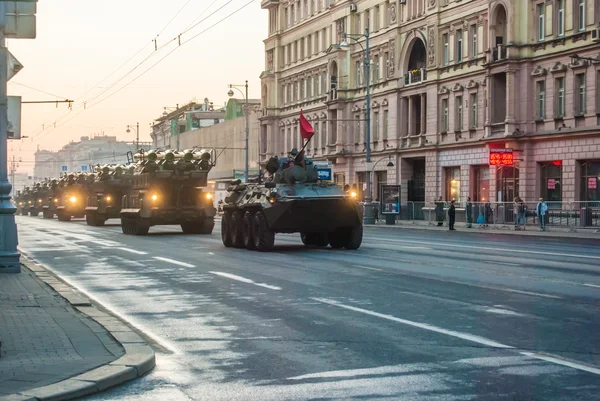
(39, 201)
(154, 197)
(30, 202)
(208, 196)
(73, 199)
(353, 194)
(20, 203)
(55, 200)
(107, 198)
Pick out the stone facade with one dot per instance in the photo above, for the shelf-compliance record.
(449, 80)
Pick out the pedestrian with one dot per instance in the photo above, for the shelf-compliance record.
(489, 214)
(540, 211)
(469, 211)
(439, 212)
(516, 212)
(523, 213)
(451, 215)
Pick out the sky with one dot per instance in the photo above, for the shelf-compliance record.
(88, 50)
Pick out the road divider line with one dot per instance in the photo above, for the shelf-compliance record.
(592, 285)
(464, 336)
(133, 251)
(246, 280)
(369, 268)
(175, 262)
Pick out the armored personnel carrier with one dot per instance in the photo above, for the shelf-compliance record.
(74, 194)
(170, 188)
(50, 201)
(111, 183)
(293, 200)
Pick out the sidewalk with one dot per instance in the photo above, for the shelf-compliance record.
(508, 229)
(49, 338)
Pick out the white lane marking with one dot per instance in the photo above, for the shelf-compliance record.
(369, 268)
(356, 372)
(464, 336)
(133, 251)
(501, 311)
(175, 262)
(138, 326)
(413, 247)
(562, 362)
(487, 248)
(535, 294)
(592, 285)
(246, 280)
(424, 326)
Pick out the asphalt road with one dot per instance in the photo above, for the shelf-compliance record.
(411, 315)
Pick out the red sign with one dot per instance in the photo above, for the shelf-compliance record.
(591, 182)
(551, 183)
(501, 157)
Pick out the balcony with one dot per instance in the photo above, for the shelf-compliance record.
(415, 76)
(499, 53)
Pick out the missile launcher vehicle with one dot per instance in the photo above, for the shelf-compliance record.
(73, 197)
(50, 201)
(293, 200)
(170, 188)
(39, 193)
(19, 203)
(106, 194)
(26, 200)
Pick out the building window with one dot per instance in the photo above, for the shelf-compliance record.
(445, 48)
(308, 87)
(313, 7)
(560, 97)
(473, 41)
(386, 66)
(292, 14)
(301, 45)
(473, 110)
(316, 86)
(289, 94)
(581, 15)
(541, 21)
(560, 17)
(551, 181)
(385, 125)
(481, 192)
(286, 20)
(386, 15)
(541, 99)
(459, 113)
(590, 180)
(357, 66)
(375, 18)
(453, 184)
(323, 83)
(357, 128)
(309, 51)
(283, 99)
(375, 74)
(444, 116)
(375, 127)
(459, 45)
(580, 85)
(305, 9)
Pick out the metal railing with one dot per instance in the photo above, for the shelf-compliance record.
(567, 215)
(415, 76)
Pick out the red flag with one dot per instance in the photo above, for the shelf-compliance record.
(306, 130)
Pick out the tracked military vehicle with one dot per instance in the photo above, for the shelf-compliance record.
(292, 200)
(170, 188)
(73, 197)
(50, 201)
(111, 183)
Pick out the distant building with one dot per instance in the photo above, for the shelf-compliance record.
(187, 118)
(19, 181)
(235, 107)
(80, 156)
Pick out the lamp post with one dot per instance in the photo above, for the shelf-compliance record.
(369, 216)
(137, 135)
(230, 93)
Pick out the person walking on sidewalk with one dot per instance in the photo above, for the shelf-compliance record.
(540, 211)
(439, 212)
(451, 215)
(469, 211)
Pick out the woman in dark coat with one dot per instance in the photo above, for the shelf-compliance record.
(439, 212)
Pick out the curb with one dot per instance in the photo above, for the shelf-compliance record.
(139, 357)
(492, 230)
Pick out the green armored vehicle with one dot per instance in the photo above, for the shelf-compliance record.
(293, 200)
(26, 200)
(74, 194)
(40, 191)
(50, 201)
(170, 188)
(111, 183)
(19, 203)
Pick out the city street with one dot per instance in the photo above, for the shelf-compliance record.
(411, 315)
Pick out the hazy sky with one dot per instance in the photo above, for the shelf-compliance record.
(81, 42)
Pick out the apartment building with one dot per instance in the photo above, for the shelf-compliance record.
(449, 80)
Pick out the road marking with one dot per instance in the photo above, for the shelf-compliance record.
(369, 268)
(535, 294)
(133, 251)
(246, 280)
(175, 262)
(487, 248)
(463, 336)
(592, 285)
(413, 247)
(501, 311)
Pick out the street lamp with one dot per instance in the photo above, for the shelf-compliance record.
(230, 93)
(369, 216)
(137, 135)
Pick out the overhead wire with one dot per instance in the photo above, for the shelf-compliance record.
(175, 16)
(37, 90)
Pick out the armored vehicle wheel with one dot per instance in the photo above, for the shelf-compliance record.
(226, 230)
(204, 226)
(33, 214)
(336, 240)
(236, 229)
(63, 217)
(133, 226)
(48, 214)
(314, 239)
(93, 219)
(248, 230)
(207, 225)
(308, 239)
(264, 239)
(354, 238)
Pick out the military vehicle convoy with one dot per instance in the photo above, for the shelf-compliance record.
(293, 200)
(39, 192)
(106, 193)
(170, 188)
(19, 203)
(50, 201)
(73, 197)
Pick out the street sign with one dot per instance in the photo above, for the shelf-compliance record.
(83, 168)
(13, 66)
(19, 19)
(501, 157)
(324, 174)
(63, 168)
(13, 127)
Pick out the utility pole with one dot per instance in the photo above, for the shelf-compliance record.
(247, 133)
(9, 256)
(137, 137)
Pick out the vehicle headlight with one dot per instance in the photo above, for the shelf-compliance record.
(208, 196)
(107, 198)
(55, 200)
(154, 197)
(39, 201)
(73, 199)
(353, 194)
